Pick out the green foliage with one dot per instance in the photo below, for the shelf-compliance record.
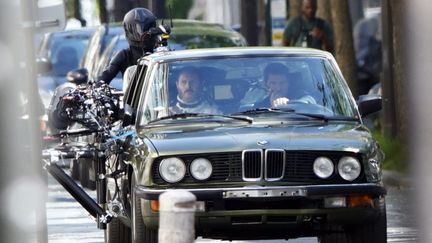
(395, 152)
(179, 8)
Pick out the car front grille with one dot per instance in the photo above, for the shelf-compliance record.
(262, 165)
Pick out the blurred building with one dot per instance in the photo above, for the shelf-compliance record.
(226, 12)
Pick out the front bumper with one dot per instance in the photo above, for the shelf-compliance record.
(279, 211)
(311, 191)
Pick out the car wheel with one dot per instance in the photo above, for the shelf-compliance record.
(116, 231)
(140, 233)
(373, 232)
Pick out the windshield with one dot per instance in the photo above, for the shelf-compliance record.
(257, 87)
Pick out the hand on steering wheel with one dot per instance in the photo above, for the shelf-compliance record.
(280, 101)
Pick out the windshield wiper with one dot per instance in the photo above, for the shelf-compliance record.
(203, 115)
(327, 118)
(292, 111)
(264, 110)
(176, 116)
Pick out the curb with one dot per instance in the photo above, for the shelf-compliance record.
(396, 179)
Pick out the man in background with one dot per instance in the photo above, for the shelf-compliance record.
(307, 30)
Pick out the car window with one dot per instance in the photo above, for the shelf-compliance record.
(116, 44)
(92, 51)
(232, 85)
(65, 52)
(135, 88)
(156, 107)
(97, 45)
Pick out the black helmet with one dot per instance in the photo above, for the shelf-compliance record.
(137, 23)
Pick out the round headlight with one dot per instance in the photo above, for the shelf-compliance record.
(349, 168)
(201, 169)
(323, 167)
(172, 169)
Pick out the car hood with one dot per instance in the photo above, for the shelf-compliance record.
(351, 137)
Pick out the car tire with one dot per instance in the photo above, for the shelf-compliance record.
(116, 231)
(373, 232)
(140, 233)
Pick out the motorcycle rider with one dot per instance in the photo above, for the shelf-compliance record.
(137, 24)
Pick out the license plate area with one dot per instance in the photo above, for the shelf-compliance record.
(263, 193)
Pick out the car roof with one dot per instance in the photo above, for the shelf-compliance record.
(84, 30)
(237, 51)
(114, 28)
(198, 27)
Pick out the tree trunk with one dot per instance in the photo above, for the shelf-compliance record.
(159, 8)
(249, 19)
(141, 4)
(344, 44)
(294, 8)
(388, 123)
(120, 9)
(324, 10)
(356, 10)
(77, 12)
(399, 82)
(102, 10)
(262, 23)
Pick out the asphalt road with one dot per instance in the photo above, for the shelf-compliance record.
(68, 222)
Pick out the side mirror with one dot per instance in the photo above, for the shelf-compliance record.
(368, 104)
(129, 116)
(77, 76)
(43, 65)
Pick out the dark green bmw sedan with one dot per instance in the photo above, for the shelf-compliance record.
(269, 140)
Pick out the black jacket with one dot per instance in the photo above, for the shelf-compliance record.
(122, 60)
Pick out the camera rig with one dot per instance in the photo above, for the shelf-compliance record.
(97, 108)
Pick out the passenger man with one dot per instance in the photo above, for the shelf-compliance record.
(190, 98)
(307, 30)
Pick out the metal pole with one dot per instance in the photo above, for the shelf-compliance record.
(177, 217)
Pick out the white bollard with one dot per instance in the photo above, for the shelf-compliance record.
(177, 217)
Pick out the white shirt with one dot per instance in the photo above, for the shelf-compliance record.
(198, 107)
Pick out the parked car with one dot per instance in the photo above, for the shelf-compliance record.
(302, 169)
(116, 44)
(97, 44)
(191, 34)
(186, 34)
(59, 53)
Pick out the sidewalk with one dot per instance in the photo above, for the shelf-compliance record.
(396, 179)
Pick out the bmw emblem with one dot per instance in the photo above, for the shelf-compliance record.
(262, 142)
